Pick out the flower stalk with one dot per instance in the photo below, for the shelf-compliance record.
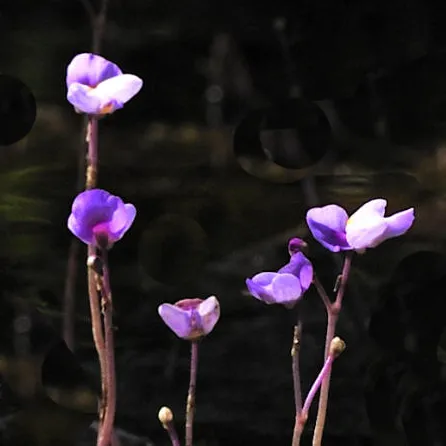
(190, 406)
(109, 408)
(165, 416)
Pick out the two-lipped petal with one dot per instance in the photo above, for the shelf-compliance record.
(90, 70)
(327, 224)
(107, 97)
(366, 228)
(299, 266)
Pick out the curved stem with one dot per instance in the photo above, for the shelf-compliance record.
(333, 310)
(190, 407)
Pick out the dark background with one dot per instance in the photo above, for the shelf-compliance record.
(251, 112)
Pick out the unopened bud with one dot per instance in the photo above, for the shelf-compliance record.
(165, 416)
(337, 346)
(296, 245)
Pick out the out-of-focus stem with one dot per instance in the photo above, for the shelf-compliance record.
(333, 310)
(106, 430)
(190, 407)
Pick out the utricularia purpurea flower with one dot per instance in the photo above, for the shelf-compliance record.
(100, 218)
(97, 86)
(191, 319)
(366, 228)
(289, 283)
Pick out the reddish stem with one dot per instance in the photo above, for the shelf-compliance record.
(106, 431)
(190, 407)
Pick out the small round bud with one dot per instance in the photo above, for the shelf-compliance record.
(95, 263)
(165, 415)
(337, 346)
(296, 245)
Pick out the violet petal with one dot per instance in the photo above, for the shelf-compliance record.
(176, 319)
(399, 223)
(209, 311)
(90, 69)
(286, 288)
(327, 224)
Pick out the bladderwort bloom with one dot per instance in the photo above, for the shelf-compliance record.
(191, 319)
(288, 284)
(100, 218)
(97, 86)
(366, 228)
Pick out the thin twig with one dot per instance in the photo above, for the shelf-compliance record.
(190, 407)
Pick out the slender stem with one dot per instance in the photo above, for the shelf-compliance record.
(333, 310)
(92, 155)
(317, 384)
(190, 407)
(173, 435)
(295, 349)
(105, 433)
(96, 321)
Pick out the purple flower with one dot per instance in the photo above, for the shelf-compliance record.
(286, 286)
(97, 86)
(99, 218)
(366, 228)
(191, 319)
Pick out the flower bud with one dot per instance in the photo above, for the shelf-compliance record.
(165, 416)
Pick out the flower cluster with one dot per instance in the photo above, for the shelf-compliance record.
(99, 219)
(335, 230)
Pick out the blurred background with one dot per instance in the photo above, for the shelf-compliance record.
(250, 114)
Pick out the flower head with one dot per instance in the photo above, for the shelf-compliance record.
(97, 86)
(191, 319)
(366, 228)
(99, 218)
(287, 285)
